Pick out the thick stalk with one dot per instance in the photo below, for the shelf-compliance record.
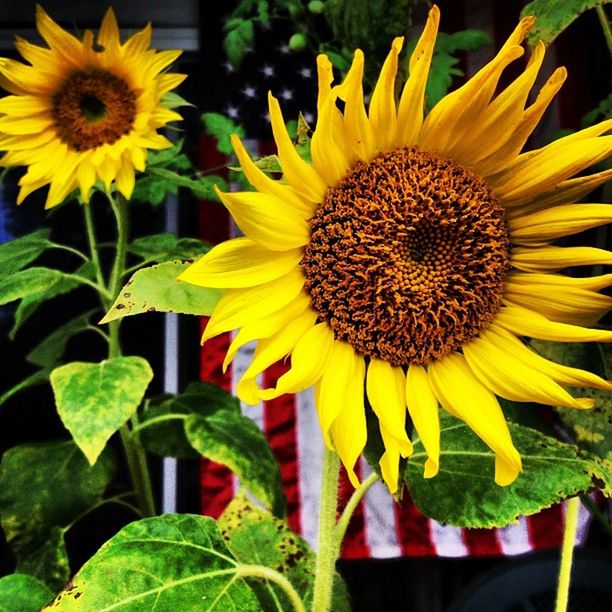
(567, 553)
(134, 453)
(351, 505)
(93, 243)
(605, 25)
(328, 547)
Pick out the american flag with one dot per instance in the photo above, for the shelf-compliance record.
(380, 528)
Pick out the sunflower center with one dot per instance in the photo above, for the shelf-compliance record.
(407, 257)
(93, 108)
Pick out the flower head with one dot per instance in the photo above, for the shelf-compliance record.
(81, 111)
(406, 261)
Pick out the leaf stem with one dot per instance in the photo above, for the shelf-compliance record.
(159, 419)
(267, 573)
(101, 289)
(328, 547)
(351, 505)
(567, 553)
(69, 249)
(605, 25)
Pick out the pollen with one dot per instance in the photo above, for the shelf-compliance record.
(407, 257)
(93, 108)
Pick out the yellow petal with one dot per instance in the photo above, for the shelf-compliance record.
(108, 36)
(125, 178)
(423, 410)
(31, 124)
(525, 322)
(412, 101)
(24, 105)
(309, 360)
(547, 225)
(301, 175)
(237, 307)
(459, 390)
(58, 39)
(139, 42)
(240, 263)
(264, 184)
(385, 386)
(382, 113)
(591, 283)
(348, 430)
(504, 372)
(267, 220)
(552, 258)
(389, 461)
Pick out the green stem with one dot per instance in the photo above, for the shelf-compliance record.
(69, 249)
(328, 547)
(134, 453)
(590, 505)
(93, 243)
(101, 289)
(351, 505)
(267, 573)
(160, 419)
(605, 25)
(567, 553)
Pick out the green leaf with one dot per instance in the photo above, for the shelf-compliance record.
(153, 190)
(52, 348)
(23, 593)
(171, 562)
(155, 289)
(202, 187)
(29, 304)
(39, 377)
(17, 254)
(173, 100)
(167, 438)
(464, 492)
(172, 157)
(237, 40)
(163, 247)
(44, 485)
(256, 537)
(553, 16)
(465, 40)
(235, 441)
(95, 399)
(27, 282)
(49, 561)
(221, 128)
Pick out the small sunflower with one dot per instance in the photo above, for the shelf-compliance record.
(82, 111)
(406, 261)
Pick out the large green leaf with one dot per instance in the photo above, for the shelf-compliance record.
(235, 441)
(163, 247)
(256, 537)
(23, 593)
(155, 289)
(47, 484)
(465, 494)
(27, 282)
(167, 437)
(17, 254)
(95, 399)
(171, 562)
(553, 16)
(51, 349)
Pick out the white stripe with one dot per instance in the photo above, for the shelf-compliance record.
(584, 521)
(379, 519)
(309, 451)
(514, 539)
(447, 540)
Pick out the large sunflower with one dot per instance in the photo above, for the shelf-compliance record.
(82, 111)
(406, 260)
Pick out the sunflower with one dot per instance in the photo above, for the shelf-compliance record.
(407, 260)
(83, 111)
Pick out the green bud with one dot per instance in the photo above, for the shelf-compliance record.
(316, 7)
(298, 42)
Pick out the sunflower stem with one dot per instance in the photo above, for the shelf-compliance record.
(267, 573)
(605, 25)
(328, 547)
(351, 505)
(93, 243)
(567, 553)
(134, 453)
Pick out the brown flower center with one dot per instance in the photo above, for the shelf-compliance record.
(407, 257)
(93, 108)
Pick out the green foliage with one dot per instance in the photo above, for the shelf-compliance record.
(602, 111)
(221, 128)
(235, 441)
(171, 562)
(37, 378)
(172, 100)
(44, 487)
(464, 492)
(158, 248)
(95, 399)
(553, 16)
(17, 254)
(26, 283)
(256, 537)
(23, 593)
(155, 289)
(239, 35)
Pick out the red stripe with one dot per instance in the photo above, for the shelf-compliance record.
(413, 529)
(481, 542)
(546, 528)
(279, 425)
(354, 545)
